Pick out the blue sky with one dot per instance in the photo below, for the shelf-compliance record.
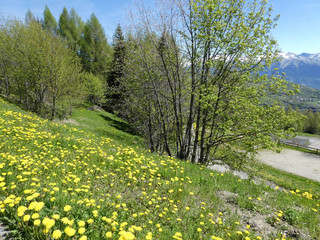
(298, 28)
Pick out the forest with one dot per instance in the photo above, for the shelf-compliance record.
(188, 76)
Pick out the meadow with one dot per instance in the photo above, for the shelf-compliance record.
(91, 178)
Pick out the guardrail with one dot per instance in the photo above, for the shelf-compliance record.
(315, 150)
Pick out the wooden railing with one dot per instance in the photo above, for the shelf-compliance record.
(314, 150)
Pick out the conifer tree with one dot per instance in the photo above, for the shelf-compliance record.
(95, 50)
(115, 88)
(64, 23)
(71, 29)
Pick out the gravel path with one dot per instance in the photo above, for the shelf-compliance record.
(300, 163)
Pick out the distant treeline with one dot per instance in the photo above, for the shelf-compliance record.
(48, 66)
(308, 123)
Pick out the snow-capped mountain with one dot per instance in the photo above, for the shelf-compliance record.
(302, 68)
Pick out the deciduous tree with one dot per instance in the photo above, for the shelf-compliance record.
(202, 74)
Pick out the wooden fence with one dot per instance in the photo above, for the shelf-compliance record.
(314, 150)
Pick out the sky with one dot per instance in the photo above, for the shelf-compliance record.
(298, 28)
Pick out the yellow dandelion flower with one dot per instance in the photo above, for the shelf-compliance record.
(37, 222)
(35, 216)
(215, 238)
(81, 230)
(81, 223)
(26, 218)
(56, 234)
(70, 231)
(67, 208)
(149, 236)
(126, 235)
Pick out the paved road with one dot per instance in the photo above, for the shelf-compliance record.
(313, 142)
(292, 161)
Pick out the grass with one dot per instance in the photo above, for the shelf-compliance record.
(94, 180)
(308, 134)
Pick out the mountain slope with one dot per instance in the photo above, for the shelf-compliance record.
(303, 69)
(308, 98)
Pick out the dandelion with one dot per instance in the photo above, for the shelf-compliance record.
(48, 223)
(35, 216)
(109, 234)
(149, 236)
(95, 213)
(39, 206)
(26, 218)
(56, 234)
(67, 208)
(215, 238)
(70, 231)
(81, 230)
(81, 223)
(37, 222)
(177, 235)
(126, 235)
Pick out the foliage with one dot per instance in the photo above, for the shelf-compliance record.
(29, 17)
(71, 29)
(309, 123)
(95, 50)
(38, 70)
(196, 82)
(49, 22)
(94, 87)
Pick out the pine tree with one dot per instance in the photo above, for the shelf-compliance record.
(115, 88)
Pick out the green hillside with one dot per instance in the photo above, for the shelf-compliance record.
(307, 98)
(89, 177)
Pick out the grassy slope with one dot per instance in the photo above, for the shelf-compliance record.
(99, 169)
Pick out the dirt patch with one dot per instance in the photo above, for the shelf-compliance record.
(258, 222)
(66, 121)
(96, 108)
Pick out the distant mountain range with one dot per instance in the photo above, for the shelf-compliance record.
(303, 69)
